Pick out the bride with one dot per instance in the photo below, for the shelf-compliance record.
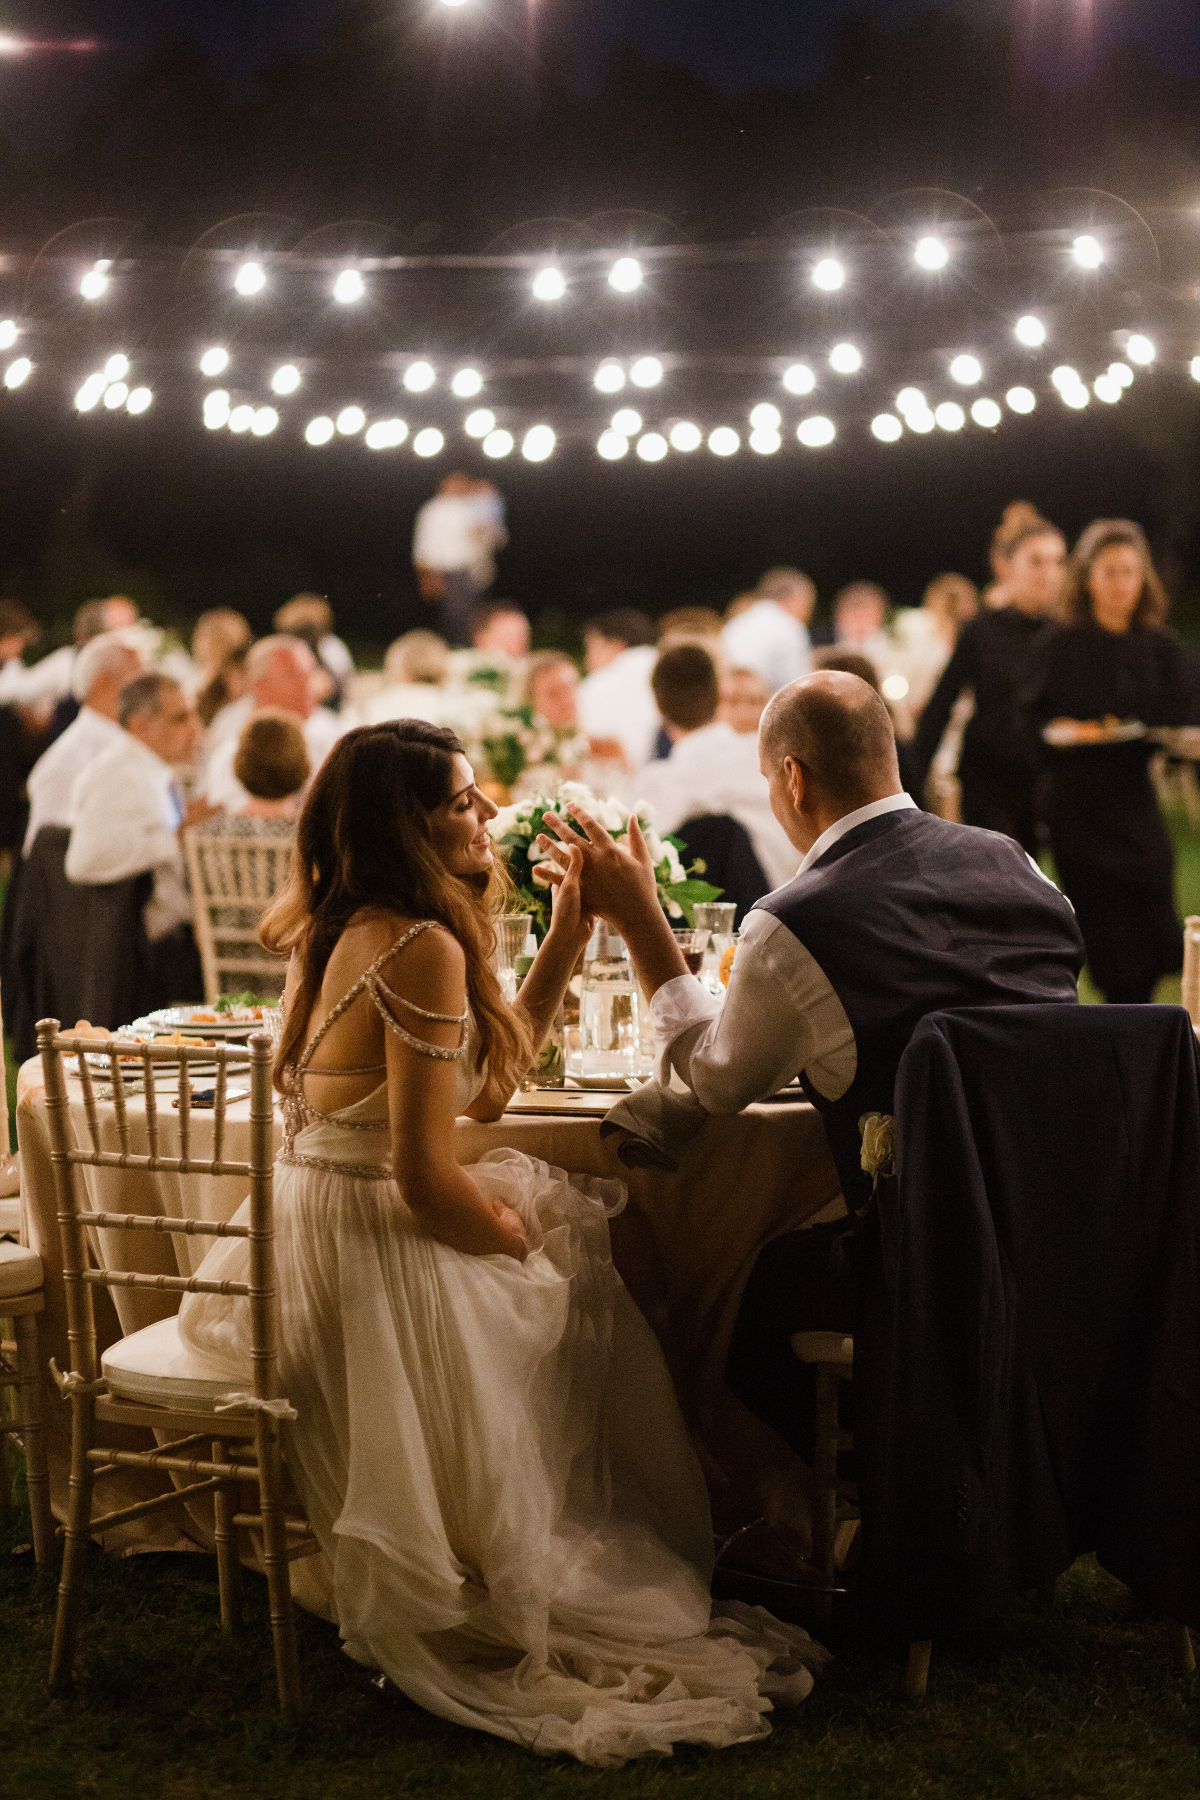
(488, 1444)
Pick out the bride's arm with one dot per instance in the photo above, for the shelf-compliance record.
(543, 988)
(423, 1104)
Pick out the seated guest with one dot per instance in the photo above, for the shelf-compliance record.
(218, 636)
(743, 695)
(692, 625)
(615, 700)
(416, 672)
(126, 808)
(18, 629)
(102, 668)
(859, 623)
(500, 629)
(892, 915)
(550, 689)
(711, 768)
(226, 687)
(770, 634)
(47, 685)
(310, 618)
(273, 766)
(280, 671)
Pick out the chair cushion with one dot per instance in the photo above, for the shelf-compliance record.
(155, 1366)
(20, 1271)
(10, 1216)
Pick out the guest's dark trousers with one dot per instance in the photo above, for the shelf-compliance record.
(459, 596)
(803, 1281)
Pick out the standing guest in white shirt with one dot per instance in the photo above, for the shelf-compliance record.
(859, 624)
(711, 768)
(48, 682)
(615, 699)
(743, 697)
(102, 669)
(770, 635)
(127, 807)
(280, 671)
(454, 535)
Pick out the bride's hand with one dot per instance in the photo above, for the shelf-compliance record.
(569, 914)
(513, 1227)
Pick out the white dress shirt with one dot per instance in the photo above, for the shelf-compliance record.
(53, 776)
(780, 1016)
(322, 729)
(43, 683)
(617, 701)
(770, 641)
(125, 816)
(449, 533)
(227, 722)
(716, 770)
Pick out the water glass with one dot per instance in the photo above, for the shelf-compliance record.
(609, 1042)
(550, 1069)
(511, 930)
(716, 918)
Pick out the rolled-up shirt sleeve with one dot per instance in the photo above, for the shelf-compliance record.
(780, 1016)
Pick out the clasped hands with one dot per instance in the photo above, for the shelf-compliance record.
(615, 883)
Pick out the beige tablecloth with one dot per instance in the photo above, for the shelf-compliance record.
(685, 1246)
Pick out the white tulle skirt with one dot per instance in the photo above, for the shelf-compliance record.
(494, 1462)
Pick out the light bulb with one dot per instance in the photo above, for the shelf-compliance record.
(318, 431)
(1065, 377)
(887, 428)
(724, 441)
(1107, 389)
(241, 418)
(950, 416)
(628, 422)
(652, 447)
(549, 284)
(477, 424)
(116, 394)
(845, 359)
(1076, 398)
(216, 409)
(350, 420)
(214, 361)
(766, 417)
(251, 278)
(828, 275)
(816, 432)
(89, 394)
(386, 434)
(286, 379)
(646, 372)
(466, 383)
(1194, 368)
(625, 275)
(349, 287)
(911, 399)
(798, 378)
(116, 368)
(765, 442)
(1121, 372)
(986, 413)
(538, 443)
(8, 334)
(930, 253)
(1030, 331)
(966, 370)
(1021, 399)
(419, 377)
(139, 400)
(95, 283)
(687, 437)
(919, 419)
(264, 421)
(609, 378)
(428, 442)
(498, 443)
(612, 445)
(1088, 251)
(1140, 349)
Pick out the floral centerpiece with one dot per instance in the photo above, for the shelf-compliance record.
(509, 743)
(515, 828)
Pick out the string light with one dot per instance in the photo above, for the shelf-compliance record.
(766, 417)
(1140, 349)
(1121, 372)
(950, 416)
(609, 378)
(627, 422)
(887, 428)
(646, 372)
(538, 443)
(94, 284)
(987, 414)
(798, 378)
(687, 437)
(828, 275)
(350, 420)
(251, 278)
(214, 361)
(548, 284)
(216, 409)
(264, 421)
(286, 379)
(612, 445)
(1106, 388)
(319, 430)
(1194, 368)
(8, 334)
(498, 443)
(1065, 377)
(89, 394)
(466, 383)
(116, 368)
(428, 442)
(625, 275)
(911, 399)
(477, 424)
(241, 418)
(419, 377)
(1076, 398)
(930, 253)
(1030, 331)
(920, 419)
(116, 394)
(349, 287)
(816, 432)
(765, 441)
(724, 441)
(1088, 251)
(845, 359)
(966, 370)
(1021, 399)
(386, 434)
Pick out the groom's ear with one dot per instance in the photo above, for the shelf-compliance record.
(793, 774)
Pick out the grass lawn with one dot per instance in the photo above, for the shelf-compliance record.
(1070, 1700)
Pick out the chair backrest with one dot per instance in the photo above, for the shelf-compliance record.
(724, 846)
(146, 1060)
(234, 878)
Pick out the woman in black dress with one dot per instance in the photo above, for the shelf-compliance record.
(1111, 665)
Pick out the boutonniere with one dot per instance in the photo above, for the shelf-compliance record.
(878, 1145)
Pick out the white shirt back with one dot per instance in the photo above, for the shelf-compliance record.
(770, 641)
(448, 533)
(53, 776)
(618, 702)
(322, 729)
(715, 770)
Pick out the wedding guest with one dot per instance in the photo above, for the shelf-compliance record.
(615, 700)
(418, 659)
(487, 1444)
(102, 669)
(18, 629)
(550, 689)
(127, 807)
(225, 689)
(743, 696)
(1113, 661)
(280, 674)
(926, 634)
(310, 617)
(771, 635)
(218, 636)
(692, 625)
(860, 624)
(500, 629)
(454, 535)
(833, 973)
(712, 769)
(272, 764)
(1016, 517)
(48, 682)
(1000, 759)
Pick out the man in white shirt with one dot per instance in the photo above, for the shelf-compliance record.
(126, 808)
(102, 669)
(771, 636)
(49, 680)
(615, 697)
(454, 535)
(280, 671)
(859, 624)
(711, 768)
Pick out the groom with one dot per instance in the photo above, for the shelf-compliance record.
(893, 914)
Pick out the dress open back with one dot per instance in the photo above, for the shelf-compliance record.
(491, 1453)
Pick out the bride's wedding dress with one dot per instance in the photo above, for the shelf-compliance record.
(491, 1453)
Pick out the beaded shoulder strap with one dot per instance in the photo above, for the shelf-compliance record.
(371, 982)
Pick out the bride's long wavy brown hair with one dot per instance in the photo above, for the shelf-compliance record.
(363, 840)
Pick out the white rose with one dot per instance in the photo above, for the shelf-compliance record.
(505, 820)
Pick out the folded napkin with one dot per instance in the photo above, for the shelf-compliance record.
(654, 1126)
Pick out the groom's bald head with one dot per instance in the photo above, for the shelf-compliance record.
(836, 727)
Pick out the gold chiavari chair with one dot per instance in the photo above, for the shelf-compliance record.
(248, 1423)
(233, 880)
(20, 1369)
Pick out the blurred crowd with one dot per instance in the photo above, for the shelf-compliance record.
(114, 746)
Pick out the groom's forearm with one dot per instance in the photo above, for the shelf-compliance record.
(648, 935)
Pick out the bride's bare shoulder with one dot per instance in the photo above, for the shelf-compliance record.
(431, 962)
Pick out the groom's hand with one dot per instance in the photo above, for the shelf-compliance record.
(616, 882)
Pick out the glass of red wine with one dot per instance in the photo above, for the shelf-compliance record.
(693, 944)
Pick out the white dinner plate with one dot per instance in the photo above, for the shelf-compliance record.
(1068, 737)
(183, 1019)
